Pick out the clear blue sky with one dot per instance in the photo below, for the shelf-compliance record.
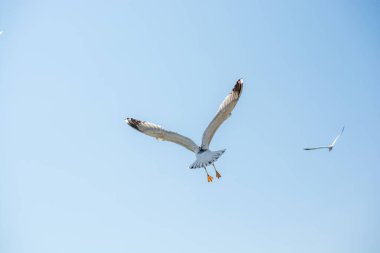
(75, 178)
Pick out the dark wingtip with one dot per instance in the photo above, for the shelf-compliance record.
(238, 86)
(133, 123)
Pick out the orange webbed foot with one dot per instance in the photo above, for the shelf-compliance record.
(209, 178)
(216, 172)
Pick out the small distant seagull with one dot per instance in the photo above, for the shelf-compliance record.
(331, 146)
(204, 156)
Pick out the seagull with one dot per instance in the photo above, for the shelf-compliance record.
(204, 156)
(331, 146)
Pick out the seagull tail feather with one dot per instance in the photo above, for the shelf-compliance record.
(202, 162)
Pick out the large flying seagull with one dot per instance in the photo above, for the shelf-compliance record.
(331, 146)
(204, 155)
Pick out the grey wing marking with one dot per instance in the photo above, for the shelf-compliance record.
(161, 134)
(223, 113)
(314, 148)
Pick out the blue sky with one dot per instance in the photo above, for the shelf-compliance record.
(75, 178)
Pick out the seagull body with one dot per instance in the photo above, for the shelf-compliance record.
(329, 147)
(204, 155)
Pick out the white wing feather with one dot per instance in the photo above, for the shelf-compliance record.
(333, 144)
(223, 113)
(162, 134)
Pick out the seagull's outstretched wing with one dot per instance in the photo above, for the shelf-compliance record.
(223, 113)
(162, 134)
(333, 144)
(314, 148)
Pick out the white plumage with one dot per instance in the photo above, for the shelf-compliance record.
(205, 157)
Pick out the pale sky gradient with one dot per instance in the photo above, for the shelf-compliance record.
(75, 178)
